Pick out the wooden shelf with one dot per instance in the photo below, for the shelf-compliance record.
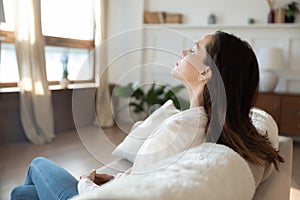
(214, 26)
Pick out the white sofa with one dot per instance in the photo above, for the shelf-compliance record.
(277, 186)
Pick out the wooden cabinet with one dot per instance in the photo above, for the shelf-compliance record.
(290, 115)
(285, 109)
(270, 103)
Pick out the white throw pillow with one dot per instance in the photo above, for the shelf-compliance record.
(177, 134)
(264, 123)
(129, 147)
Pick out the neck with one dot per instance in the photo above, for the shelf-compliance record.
(195, 96)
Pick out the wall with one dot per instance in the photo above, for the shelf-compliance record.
(230, 12)
(167, 41)
(232, 15)
(10, 122)
(124, 16)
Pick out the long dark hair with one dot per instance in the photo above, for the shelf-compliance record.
(238, 67)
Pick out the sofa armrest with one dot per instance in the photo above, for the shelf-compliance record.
(277, 186)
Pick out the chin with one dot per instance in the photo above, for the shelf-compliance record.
(175, 74)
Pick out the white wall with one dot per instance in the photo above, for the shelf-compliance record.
(232, 12)
(161, 51)
(175, 38)
(125, 15)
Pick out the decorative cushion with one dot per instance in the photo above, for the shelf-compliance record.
(265, 124)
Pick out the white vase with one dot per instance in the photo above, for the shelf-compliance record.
(268, 81)
(64, 82)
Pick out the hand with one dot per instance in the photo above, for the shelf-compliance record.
(90, 175)
(100, 179)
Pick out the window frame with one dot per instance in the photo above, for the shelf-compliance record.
(8, 37)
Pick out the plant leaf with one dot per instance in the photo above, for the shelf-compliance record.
(138, 94)
(137, 108)
(160, 89)
(177, 88)
(181, 103)
(123, 91)
(151, 97)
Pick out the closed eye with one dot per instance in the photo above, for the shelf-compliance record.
(194, 49)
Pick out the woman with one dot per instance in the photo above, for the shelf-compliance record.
(237, 65)
(219, 70)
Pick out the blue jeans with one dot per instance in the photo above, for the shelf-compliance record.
(46, 180)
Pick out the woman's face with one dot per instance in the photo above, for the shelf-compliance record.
(191, 65)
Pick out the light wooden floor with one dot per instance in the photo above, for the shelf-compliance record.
(70, 152)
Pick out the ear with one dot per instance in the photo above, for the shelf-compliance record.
(205, 74)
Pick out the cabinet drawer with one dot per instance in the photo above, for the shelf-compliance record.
(290, 115)
(270, 103)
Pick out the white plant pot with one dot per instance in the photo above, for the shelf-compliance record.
(268, 81)
(64, 82)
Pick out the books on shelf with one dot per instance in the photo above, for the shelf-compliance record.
(162, 18)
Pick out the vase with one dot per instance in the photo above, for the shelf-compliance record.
(268, 81)
(212, 19)
(64, 82)
(251, 21)
(271, 16)
(290, 19)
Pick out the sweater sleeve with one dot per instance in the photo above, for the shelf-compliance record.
(85, 185)
(122, 175)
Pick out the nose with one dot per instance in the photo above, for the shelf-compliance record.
(184, 52)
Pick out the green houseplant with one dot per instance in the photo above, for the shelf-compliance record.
(290, 11)
(145, 99)
(64, 61)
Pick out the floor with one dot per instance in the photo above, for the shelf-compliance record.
(78, 154)
(70, 150)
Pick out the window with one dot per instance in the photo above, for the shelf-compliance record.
(8, 68)
(9, 16)
(65, 30)
(76, 57)
(9, 74)
(68, 18)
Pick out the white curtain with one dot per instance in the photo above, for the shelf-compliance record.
(103, 106)
(35, 97)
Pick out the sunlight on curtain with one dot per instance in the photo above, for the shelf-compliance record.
(35, 97)
(103, 106)
(25, 25)
(26, 84)
(39, 90)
